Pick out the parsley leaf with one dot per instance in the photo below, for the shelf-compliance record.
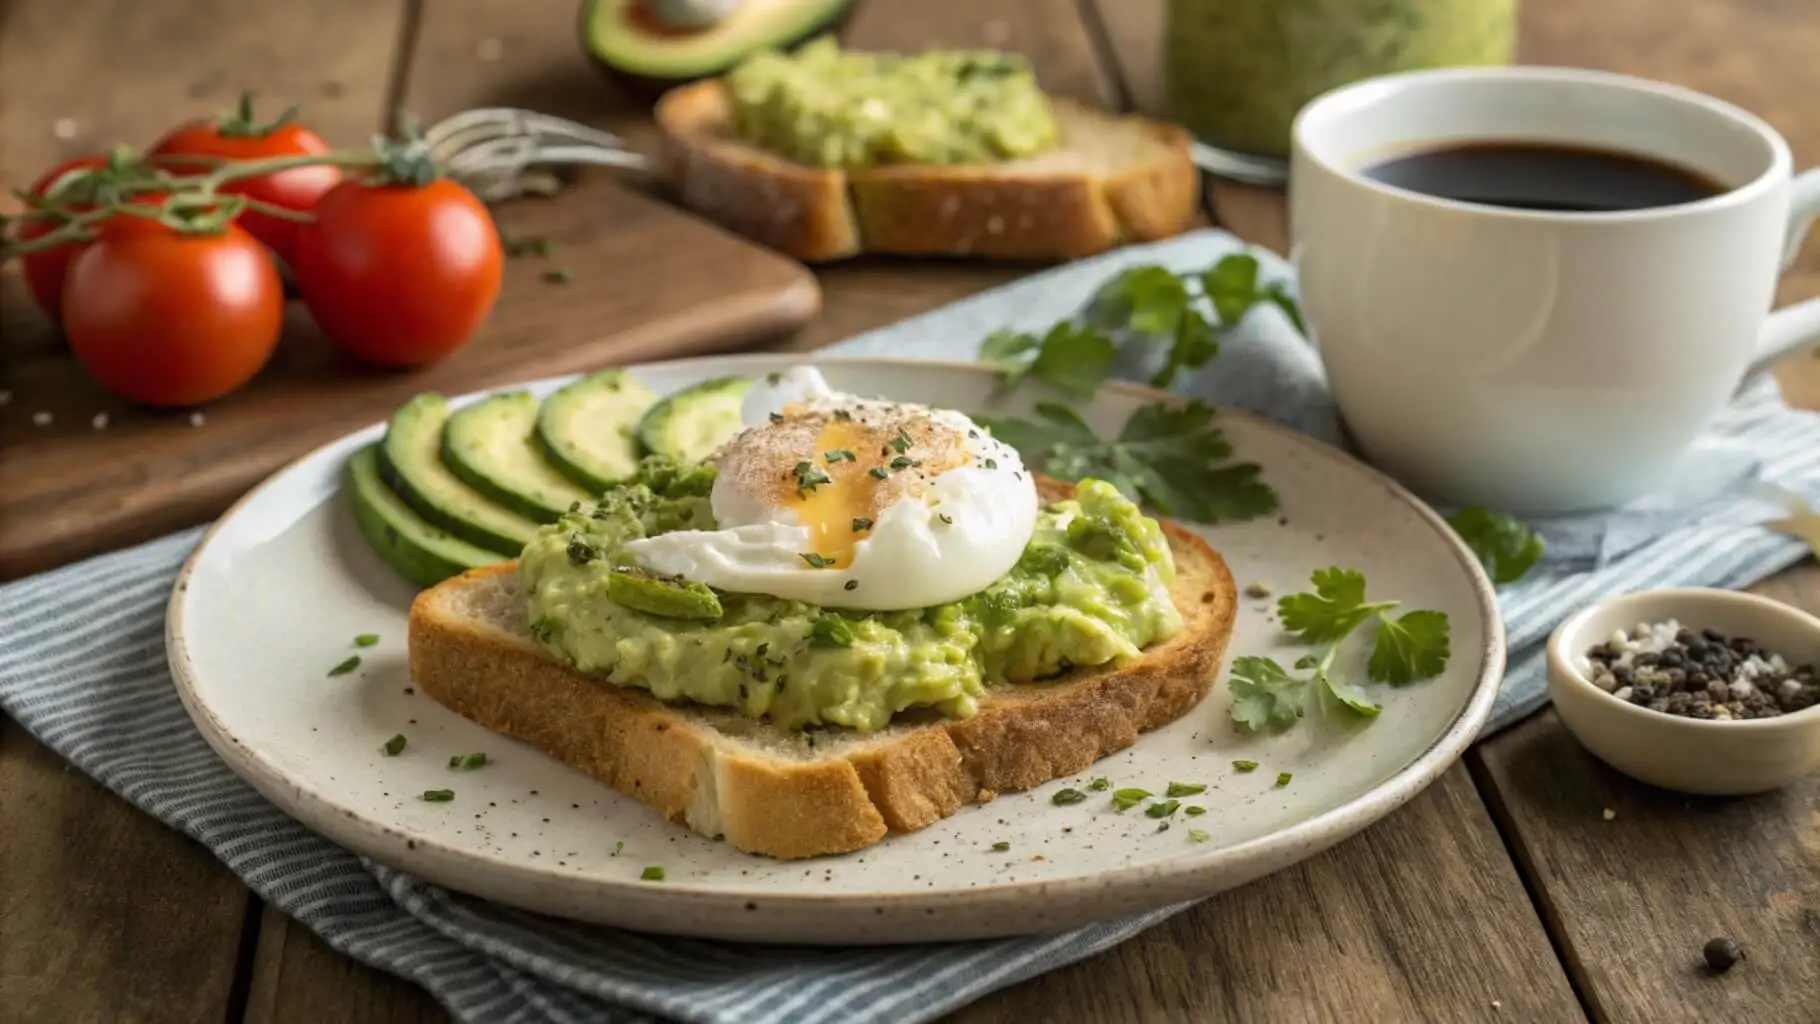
(1198, 835)
(1167, 457)
(1162, 808)
(1264, 697)
(1506, 546)
(1411, 647)
(1071, 358)
(1232, 288)
(1407, 648)
(1336, 607)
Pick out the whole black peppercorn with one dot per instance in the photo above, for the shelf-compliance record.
(1722, 954)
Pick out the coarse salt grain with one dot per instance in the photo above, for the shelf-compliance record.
(64, 128)
(196, 419)
(5, 397)
(1608, 814)
(100, 421)
(41, 419)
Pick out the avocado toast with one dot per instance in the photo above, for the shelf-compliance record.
(794, 794)
(1043, 184)
(856, 617)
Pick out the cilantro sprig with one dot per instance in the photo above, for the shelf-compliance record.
(1506, 546)
(1407, 648)
(1171, 458)
(1155, 302)
(1071, 358)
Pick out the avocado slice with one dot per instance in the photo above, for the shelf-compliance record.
(410, 462)
(416, 550)
(491, 446)
(589, 428)
(693, 423)
(670, 597)
(650, 43)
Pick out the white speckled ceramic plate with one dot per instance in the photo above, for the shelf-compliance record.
(276, 592)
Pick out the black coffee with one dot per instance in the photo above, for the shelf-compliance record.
(1536, 176)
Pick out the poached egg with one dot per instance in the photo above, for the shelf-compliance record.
(835, 500)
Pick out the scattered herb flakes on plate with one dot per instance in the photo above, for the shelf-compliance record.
(1001, 846)
(438, 796)
(366, 640)
(1162, 808)
(1064, 797)
(1126, 799)
(348, 664)
(1184, 789)
(1100, 785)
(1198, 835)
(1283, 779)
(1245, 766)
(394, 746)
(653, 873)
(467, 762)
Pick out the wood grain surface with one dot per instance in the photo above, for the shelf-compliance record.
(646, 280)
(105, 915)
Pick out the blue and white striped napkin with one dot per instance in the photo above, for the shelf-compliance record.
(82, 667)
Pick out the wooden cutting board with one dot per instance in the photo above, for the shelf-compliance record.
(647, 281)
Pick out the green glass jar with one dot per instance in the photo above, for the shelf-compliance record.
(1236, 71)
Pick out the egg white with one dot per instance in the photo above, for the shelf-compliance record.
(965, 532)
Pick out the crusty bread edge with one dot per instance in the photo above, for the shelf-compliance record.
(819, 215)
(1022, 736)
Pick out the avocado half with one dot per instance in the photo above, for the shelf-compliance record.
(628, 41)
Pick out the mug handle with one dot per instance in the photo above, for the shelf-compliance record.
(1797, 326)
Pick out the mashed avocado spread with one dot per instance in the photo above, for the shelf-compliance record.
(1091, 588)
(832, 108)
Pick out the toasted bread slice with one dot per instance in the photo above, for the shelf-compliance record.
(791, 794)
(1112, 180)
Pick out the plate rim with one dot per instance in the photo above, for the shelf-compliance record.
(1169, 880)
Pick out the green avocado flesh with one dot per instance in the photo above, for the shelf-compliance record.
(828, 107)
(410, 462)
(491, 446)
(623, 35)
(416, 550)
(1091, 588)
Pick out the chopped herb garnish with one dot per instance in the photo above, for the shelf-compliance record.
(1198, 835)
(831, 630)
(439, 796)
(878, 472)
(1001, 846)
(1100, 785)
(1162, 826)
(850, 585)
(1162, 808)
(947, 520)
(991, 463)
(1283, 778)
(1064, 797)
(1192, 810)
(394, 746)
(1245, 766)
(468, 762)
(617, 847)
(861, 524)
(902, 462)
(817, 561)
(366, 639)
(654, 873)
(773, 377)
(1125, 799)
(1184, 789)
(900, 443)
(558, 275)
(775, 417)
(351, 663)
(838, 455)
(809, 476)
(842, 414)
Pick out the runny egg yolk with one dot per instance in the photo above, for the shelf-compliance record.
(838, 472)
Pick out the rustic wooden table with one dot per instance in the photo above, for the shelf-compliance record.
(1500, 893)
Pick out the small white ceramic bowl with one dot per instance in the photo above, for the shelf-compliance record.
(1692, 755)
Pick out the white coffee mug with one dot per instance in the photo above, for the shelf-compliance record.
(1529, 360)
